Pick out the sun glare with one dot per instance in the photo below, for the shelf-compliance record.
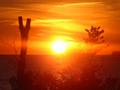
(59, 46)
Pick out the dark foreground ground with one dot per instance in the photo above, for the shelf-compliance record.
(106, 67)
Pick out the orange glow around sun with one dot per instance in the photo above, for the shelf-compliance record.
(59, 46)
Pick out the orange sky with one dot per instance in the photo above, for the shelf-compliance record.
(52, 18)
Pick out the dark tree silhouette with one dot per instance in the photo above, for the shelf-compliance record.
(95, 35)
(24, 31)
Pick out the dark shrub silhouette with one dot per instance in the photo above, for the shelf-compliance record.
(95, 35)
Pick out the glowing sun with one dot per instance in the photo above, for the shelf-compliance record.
(59, 46)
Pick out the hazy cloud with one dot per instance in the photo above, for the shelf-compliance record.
(82, 13)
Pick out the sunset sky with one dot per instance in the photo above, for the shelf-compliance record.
(62, 18)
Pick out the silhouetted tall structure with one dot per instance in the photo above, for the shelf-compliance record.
(24, 31)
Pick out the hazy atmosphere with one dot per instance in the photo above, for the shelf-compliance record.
(63, 18)
(59, 44)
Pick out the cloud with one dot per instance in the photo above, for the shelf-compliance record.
(83, 13)
(23, 2)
